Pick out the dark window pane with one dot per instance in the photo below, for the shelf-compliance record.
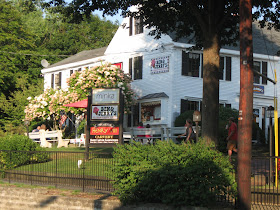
(228, 105)
(138, 25)
(52, 81)
(130, 26)
(130, 67)
(228, 68)
(221, 69)
(185, 63)
(137, 67)
(257, 68)
(190, 64)
(264, 72)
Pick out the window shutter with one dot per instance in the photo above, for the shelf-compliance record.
(264, 72)
(185, 63)
(221, 69)
(130, 67)
(201, 65)
(52, 81)
(137, 65)
(130, 26)
(228, 68)
(141, 28)
(140, 64)
(59, 79)
(184, 105)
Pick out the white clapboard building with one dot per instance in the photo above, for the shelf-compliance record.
(167, 77)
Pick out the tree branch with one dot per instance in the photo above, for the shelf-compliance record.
(197, 14)
(225, 17)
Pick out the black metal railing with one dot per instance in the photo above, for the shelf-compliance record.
(94, 172)
(86, 171)
(265, 181)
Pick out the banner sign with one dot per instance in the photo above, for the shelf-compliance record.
(258, 89)
(104, 112)
(160, 65)
(105, 96)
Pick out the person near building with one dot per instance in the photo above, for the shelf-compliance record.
(232, 137)
(149, 137)
(37, 129)
(190, 135)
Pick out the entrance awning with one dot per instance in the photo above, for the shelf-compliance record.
(78, 104)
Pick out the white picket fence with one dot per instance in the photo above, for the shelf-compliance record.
(147, 135)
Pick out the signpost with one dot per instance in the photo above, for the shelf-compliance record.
(105, 118)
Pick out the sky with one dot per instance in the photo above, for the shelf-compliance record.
(111, 18)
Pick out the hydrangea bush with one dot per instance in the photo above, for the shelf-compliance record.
(51, 102)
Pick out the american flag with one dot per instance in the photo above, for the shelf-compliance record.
(62, 119)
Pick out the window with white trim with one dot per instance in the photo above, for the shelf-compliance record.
(56, 81)
(135, 26)
(150, 111)
(190, 64)
(136, 67)
(261, 67)
(225, 68)
(187, 105)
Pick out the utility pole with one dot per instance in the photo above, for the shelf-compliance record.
(245, 105)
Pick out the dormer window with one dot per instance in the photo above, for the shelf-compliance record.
(135, 25)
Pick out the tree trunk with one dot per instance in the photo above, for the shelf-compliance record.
(210, 101)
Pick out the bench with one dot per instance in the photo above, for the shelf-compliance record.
(149, 134)
(46, 137)
(173, 132)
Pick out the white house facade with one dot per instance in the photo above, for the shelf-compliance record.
(167, 76)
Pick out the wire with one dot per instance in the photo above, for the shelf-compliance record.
(14, 53)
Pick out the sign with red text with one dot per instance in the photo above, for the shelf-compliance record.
(104, 131)
(104, 112)
(160, 65)
(105, 117)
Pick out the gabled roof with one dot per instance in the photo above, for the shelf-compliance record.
(81, 56)
(265, 41)
(154, 95)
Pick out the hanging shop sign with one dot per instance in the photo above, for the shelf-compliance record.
(258, 89)
(105, 96)
(105, 119)
(160, 65)
(104, 112)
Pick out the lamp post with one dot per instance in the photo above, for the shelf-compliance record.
(196, 119)
(27, 123)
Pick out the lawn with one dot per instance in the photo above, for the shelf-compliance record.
(64, 161)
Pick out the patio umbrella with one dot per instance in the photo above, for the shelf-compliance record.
(78, 104)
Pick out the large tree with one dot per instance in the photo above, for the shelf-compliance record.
(210, 23)
(28, 34)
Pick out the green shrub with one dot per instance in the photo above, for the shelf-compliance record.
(180, 121)
(16, 150)
(185, 174)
